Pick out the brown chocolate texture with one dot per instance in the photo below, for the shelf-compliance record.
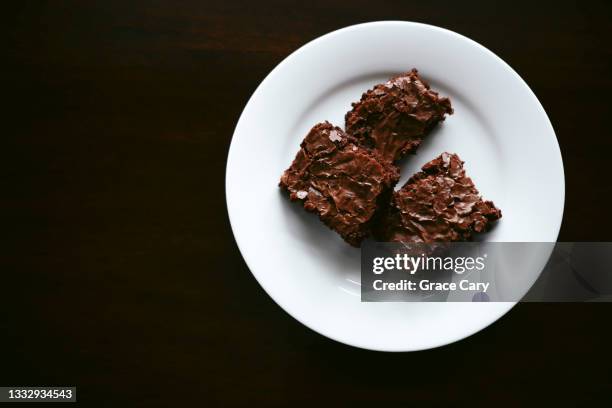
(394, 117)
(438, 204)
(339, 180)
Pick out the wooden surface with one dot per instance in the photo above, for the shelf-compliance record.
(120, 274)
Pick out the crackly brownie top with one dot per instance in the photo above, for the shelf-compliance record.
(338, 180)
(393, 117)
(438, 204)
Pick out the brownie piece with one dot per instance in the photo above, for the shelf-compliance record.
(339, 180)
(392, 118)
(438, 204)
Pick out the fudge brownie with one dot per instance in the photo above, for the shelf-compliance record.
(438, 204)
(392, 118)
(340, 181)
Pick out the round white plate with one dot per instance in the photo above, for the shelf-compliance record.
(499, 129)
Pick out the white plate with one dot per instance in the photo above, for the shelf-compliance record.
(499, 128)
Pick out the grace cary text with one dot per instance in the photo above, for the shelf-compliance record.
(408, 285)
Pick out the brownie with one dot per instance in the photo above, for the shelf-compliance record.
(438, 204)
(392, 118)
(343, 183)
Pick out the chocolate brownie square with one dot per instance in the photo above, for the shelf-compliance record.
(394, 117)
(343, 183)
(438, 204)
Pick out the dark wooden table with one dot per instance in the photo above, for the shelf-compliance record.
(120, 274)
